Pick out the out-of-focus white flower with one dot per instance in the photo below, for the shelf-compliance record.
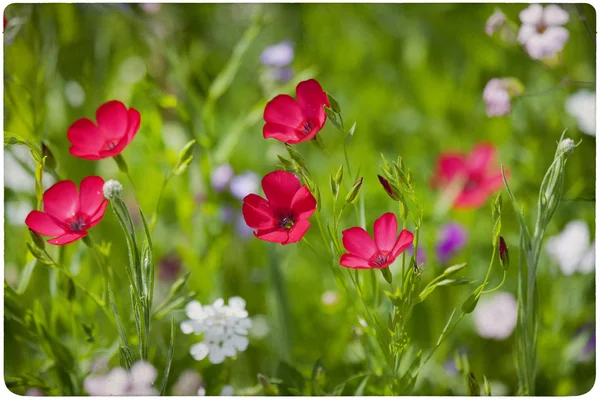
(15, 212)
(151, 8)
(188, 384)
(16, 177)
(582, 106)
(225, 328)
(260, 327)
(571, 249)
(494, 22)
(541, 32)
(227, 390)
(244, 184)
(220, 177)
(201, 391)
(496, 97)
(278, 55)
(120, 382)
(496, 316)
(497, 94)
(74, 94)
(330, 297)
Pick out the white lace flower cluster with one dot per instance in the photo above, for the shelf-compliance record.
(120, 382)
(225, 328)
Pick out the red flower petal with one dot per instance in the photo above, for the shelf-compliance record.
(61, 201)
(134, 124)
(43, 224)
(358, 242)
(276, 235)
(385, 230)
(404, 241)
(297, 232)
(85, 137)
(284, 110)
(113, 120)
(351, 261)
(312, 98)
(91, 195)
(280, 187)
(97, 217)
(257, 213)
(481, 156)
(303, 203)
(282, 133)
(449, 166)
(67, 238)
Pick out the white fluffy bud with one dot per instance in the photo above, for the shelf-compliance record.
(112, 189)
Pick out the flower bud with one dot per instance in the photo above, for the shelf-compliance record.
(503, 251)
(50, 160)
(354, 191)
(335, 106)
(391, 191)
(566, 146)
(112, 189)
(387, 274)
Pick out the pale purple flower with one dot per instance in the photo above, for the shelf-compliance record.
(541, 32)
(221, 176)
(242, 229)
(421, 258)
(572, 250)
(34, 392)
(451, 238)
(278, 55)
(244, 184)
(226, 214)
(496, 316)
(497, 98)
(227, 390)
(120, 382)
(188, 383)
(280, 74)
(494, 22)
(582, 106)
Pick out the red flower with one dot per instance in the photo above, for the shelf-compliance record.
(69, 214)
(283, 217)
(291, 121)
(364, 253)
(116, 128)
(481, 178)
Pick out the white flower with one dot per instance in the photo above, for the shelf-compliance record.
(225, 328)
(112, 189)
(496, 97)
(571, 249)
(227, 390)
(496, 316)
(189, 383)
(330, 297)
(120, 382)
(278, 55)
(495, 21)
(582, 106)
(220, 177)
(244, 184)
(541, 32)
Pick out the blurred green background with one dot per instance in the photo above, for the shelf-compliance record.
(410, 75)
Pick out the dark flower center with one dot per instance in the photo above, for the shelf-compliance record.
(380, 258)
(286, 221)
(77, 224)
(306, 127)
(110, 145)
(540, 27)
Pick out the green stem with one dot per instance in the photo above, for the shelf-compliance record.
(283, 310)
(160, 195)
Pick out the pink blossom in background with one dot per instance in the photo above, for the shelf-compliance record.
(494, 22)
(497, 98)
(542, 33)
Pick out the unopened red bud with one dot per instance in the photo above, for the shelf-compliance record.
(392, 192)
(503, 250)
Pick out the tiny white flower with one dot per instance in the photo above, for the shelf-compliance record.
(189, 383)
(227, 390)
(225, 327)
(497, 98)
(495, 21)
(329, 298)
(496, 316)
(119, 382)
(112, 189)
(541, 32)
(571, 248)
(582, 106)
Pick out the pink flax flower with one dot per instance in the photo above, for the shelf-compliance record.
(68, 214)
(283, 216)
(291, 121)
(475, 175)
(366, 253)
(116, 128)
